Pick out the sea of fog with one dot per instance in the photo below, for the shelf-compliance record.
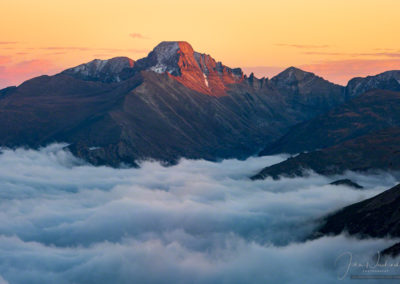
(63, 221)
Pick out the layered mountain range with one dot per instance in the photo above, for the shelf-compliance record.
(361, 134)
(177, 102)
(173, 103)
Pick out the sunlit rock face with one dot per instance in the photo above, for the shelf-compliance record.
(194, 70)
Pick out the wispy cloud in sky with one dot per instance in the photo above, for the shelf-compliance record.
(91, 49)
(5, 59)
(302, 46)
(138, 36)
(337, 71)
(341, 71)
(8, 42)
(16, 73)
(361, 54)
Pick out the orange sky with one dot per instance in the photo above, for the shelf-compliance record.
(337, 39)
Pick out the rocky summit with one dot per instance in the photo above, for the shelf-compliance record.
(199, 72)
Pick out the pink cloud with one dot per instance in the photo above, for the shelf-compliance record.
(66, 49)
(302, 46)
(138, 36)
(5, 59)
(8, 42)
(387, 53)
(341, 71)
(17, 73)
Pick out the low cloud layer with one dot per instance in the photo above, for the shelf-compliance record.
(62, 221)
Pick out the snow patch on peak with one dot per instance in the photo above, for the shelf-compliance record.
(163, 58)
(205, 79)
(159, 68)
(94, 66)
(166, 50)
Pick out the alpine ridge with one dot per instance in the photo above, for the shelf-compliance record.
(173, 103)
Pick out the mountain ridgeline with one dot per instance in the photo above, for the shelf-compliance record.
(173, 103)
(178, 103)
(361, 135)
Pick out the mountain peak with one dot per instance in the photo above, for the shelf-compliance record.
(197, 71)
(171, 47)
(293, 74)
(292, 77)
(101, 70)
(166, 55)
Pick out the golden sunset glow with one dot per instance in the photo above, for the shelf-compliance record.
(335, 39)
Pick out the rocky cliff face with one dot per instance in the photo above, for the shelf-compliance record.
(199, 72)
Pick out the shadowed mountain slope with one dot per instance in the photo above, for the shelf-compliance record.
(372, 152)
(378, 216)
(372, 111)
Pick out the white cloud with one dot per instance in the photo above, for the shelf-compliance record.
(62, 221)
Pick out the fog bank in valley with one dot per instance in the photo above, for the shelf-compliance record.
(63, 221)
